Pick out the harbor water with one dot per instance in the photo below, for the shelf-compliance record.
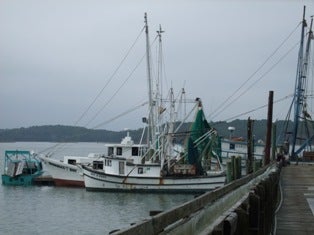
(58, 210)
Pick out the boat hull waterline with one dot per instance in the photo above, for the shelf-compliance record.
(100, 181)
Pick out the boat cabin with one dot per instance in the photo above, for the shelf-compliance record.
(127, 150)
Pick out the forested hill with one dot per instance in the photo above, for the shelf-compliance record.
(59, 133)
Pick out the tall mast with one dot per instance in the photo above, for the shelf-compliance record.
(151, 121)
(303, 85)
(299, 94)
(159, 72)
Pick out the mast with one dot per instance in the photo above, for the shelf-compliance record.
(158, 97)
(299, 92)
(303, 100)
(151, 122)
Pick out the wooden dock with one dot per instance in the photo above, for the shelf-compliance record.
(296, 215)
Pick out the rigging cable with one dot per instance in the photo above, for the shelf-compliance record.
(110, 78)
(124, 82)
(261, 107)
(221, 106)
(120, 115)
(260, 78)
(62, 145)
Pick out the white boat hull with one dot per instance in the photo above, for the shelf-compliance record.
(65, 175)
(96, 180)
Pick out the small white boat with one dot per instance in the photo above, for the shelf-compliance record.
(66, 172)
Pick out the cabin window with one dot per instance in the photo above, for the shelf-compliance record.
(140, 170)
(107, 162)
(134, 151)
(72, 161)
(119, 151)
(110, 151)
(121, 168)
(98, 165)
(232, 146)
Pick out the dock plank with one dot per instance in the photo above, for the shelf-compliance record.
(295, 215)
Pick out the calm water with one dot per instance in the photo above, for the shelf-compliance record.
(52, 210)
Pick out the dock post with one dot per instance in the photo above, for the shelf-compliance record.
(249, 163)
(269, 126)
(230, 173)
(237, 167)
(273, 145)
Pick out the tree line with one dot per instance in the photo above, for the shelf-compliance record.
(61, 133)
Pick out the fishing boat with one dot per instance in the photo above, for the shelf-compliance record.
(66, 173)
(191, 165)
(20, 168)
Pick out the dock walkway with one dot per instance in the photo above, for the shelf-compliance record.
(296, 215)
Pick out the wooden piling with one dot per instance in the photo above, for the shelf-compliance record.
(249, 163)
(269, 126)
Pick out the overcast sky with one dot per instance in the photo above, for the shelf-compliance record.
(56, 56)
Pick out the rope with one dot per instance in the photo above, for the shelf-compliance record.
(256, 109)
(109, 80)
(124, 82)
(128, 77)
(120, 115)
(278, 208)
(261, 77)
(223, 106)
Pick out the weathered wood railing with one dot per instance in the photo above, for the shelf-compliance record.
(245, 206)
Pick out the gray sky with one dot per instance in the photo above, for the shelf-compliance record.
(55, 56)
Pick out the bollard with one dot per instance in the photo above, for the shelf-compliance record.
(237, 167)
(257, 165)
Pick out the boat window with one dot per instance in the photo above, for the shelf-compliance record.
(110, 151)
(119, 151)
(72, 161)
(140, 170)
(107, 162)
(134, 151)
(232, 146)
(98, 165)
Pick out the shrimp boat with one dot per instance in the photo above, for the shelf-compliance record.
(194, 165)
(20, 168)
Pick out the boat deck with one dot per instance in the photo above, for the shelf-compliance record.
(296, 215)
